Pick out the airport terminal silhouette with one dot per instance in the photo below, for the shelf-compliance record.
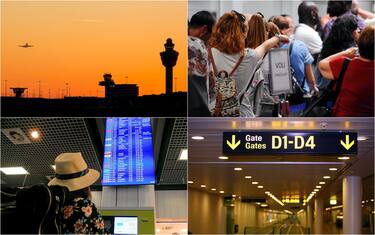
(119, 100)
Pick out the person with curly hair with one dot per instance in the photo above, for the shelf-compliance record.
(228, 46)
(344, 34)
(356, 96)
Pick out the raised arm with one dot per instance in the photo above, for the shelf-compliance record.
(270, 43)
(325, 68)
(311, 79)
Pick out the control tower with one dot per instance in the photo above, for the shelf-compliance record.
(107, 83)
(18, 91)
(169, 59)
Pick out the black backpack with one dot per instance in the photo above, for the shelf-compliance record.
(39, 210)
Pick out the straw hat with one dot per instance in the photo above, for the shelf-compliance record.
(72, 172)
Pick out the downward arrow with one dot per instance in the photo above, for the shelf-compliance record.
(347, 144)
(233, 145)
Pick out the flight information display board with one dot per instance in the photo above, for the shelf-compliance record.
(128, 152)
(289, 142)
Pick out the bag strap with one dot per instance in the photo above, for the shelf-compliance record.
(291, 48)
(251, 80)
(236, 66)
(211, 58)
(328, 92)
(341, 75)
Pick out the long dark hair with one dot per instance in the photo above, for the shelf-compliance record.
(340, 38)
(84, 193)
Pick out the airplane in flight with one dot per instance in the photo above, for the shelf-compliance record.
(26, 45)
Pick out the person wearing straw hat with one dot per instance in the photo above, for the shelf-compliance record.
(80, 213)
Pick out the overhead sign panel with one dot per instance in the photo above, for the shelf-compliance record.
(289, 142)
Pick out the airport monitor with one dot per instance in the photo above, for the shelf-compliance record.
(127, 225)
(128, 152)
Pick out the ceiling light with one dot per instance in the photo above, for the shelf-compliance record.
(260, 186)
(263, 205)
(276, 199)
(361, 138)
(53, 167)
(316, 190)
(234, 195)
(322, 182)
(14, 170)
(333, 201)
(221, 192)
(326, 177)
(333, 169)
(254, 182)
(203, 186)
(238, 169)
(318, 186)
(183, 155)
(213, 189)
(197, 137)
(248, 177)
(190, 182)
(372, 200)
(343, 158)
(266, 192)
(223, 157)
(34, 134)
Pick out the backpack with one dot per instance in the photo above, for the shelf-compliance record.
(227, 103)
(257, 100)
(39, 208)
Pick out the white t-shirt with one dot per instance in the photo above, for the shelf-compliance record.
(310, 37)
(245, 70)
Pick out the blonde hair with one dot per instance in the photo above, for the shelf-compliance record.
(228, 35)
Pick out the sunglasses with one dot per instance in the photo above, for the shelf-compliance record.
(240, 16)
(260, 13)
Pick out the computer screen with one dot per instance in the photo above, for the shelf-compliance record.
(125, 225)
(128, 152)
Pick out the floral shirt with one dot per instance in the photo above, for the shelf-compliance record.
(82, 217)
(201, 78)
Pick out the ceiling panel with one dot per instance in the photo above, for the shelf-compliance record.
(281, 175)
(174, 171)
(57, 135)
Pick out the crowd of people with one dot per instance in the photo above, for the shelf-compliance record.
(331, 60)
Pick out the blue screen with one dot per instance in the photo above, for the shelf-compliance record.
(128, 152)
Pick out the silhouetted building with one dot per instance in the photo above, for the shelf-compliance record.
(107, 83)
(169, 59)
(121, 90)
(18, 91)
(113, 90)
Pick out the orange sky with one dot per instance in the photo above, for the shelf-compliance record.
(76, 42)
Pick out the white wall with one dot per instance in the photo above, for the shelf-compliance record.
(207, 213)
(125, 197)
(171, 205)
(245, 215)
(267, 7)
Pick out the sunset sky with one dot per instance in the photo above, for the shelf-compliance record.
(76, 42)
